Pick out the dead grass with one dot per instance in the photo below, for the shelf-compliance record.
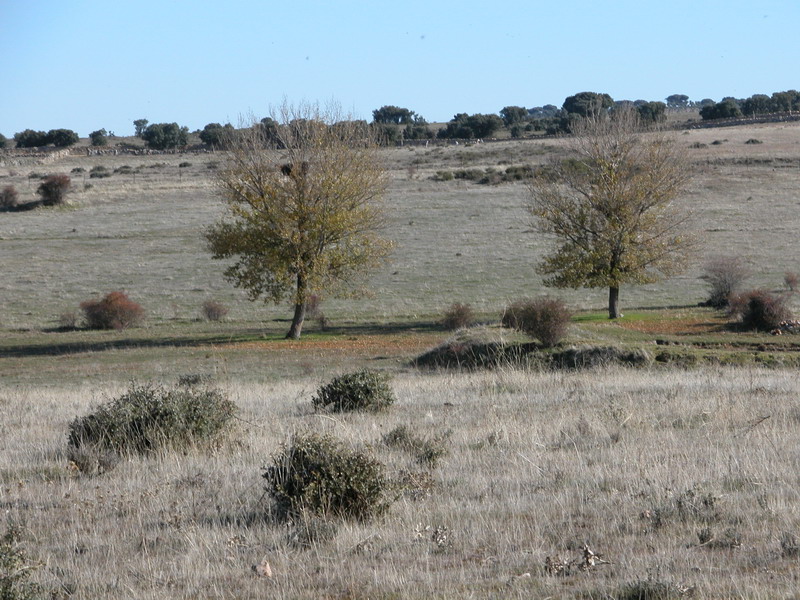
(656, 471)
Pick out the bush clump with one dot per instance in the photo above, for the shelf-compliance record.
(149, 418)
(458, 316)
(362, 390)
(545, 319)
(760, 310)
(425, 450)
(115, 311)
(53, 189)
(9, 198)
(318, 474)
(214, 311)
(725, 275)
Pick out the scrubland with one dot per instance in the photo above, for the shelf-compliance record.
(684, 479)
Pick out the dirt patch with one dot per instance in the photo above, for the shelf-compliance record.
(677, 326)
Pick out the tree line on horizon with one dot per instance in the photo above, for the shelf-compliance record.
(396, 124)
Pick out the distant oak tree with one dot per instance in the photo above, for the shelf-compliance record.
(304, 208)
(611, 208)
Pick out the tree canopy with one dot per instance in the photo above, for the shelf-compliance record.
(587, 103)
(162, 136)
(611, 209)
(393, 114)
(304, 212)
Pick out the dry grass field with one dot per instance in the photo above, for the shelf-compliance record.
(684, 479)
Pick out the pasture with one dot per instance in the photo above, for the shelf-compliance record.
(685, 480)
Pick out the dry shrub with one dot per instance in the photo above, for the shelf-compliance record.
(362, 390)
(760, 310)
(545, 319)
(53, 189)
(726, 276)
(600, 356)
(149, 418)
(214, 311)
(115, 311)
(790, 279)
(319, 475)
(8, 197)
(458, 316)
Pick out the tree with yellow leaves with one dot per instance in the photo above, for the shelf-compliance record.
(611, 207)
(304, 207)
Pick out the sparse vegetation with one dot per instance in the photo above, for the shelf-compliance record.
(9, 197)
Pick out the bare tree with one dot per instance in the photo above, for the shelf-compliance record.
(304, 211)
(611, 207)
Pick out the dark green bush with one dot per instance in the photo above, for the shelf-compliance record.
(150, 418)
(760, 310)
(458, 316)
(361, 390)
(99, 172)
(318, 474)
(545, 319)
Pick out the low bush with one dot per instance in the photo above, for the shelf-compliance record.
(150, 418)
(790, 279)
(15, 568)
(214, 311)
(99, 172)
(362, 390)
(458, 316)
(760, 310)
(544, 319)
(318, 474)
(725, 275)
(53, 189)
(115, 311)
(600, 356)
(9, 197)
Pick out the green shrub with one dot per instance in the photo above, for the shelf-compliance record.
(545, 319)
(15, 569)
(99, 172)
(319, 475)
(760, 310)
(149, 418)
(361, 390)
(99, 137)
(115, 311)
(458, 316)
(53, 189)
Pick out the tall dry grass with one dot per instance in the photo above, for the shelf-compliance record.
(684, 480)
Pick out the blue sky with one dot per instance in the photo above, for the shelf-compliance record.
(91, 64)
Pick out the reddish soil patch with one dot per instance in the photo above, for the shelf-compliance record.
(678, 326)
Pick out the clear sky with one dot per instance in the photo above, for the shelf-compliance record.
(91, 64)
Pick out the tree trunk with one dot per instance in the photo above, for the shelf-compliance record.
(299, 311)
(613, 303)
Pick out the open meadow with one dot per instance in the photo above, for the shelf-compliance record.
(683, 475)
